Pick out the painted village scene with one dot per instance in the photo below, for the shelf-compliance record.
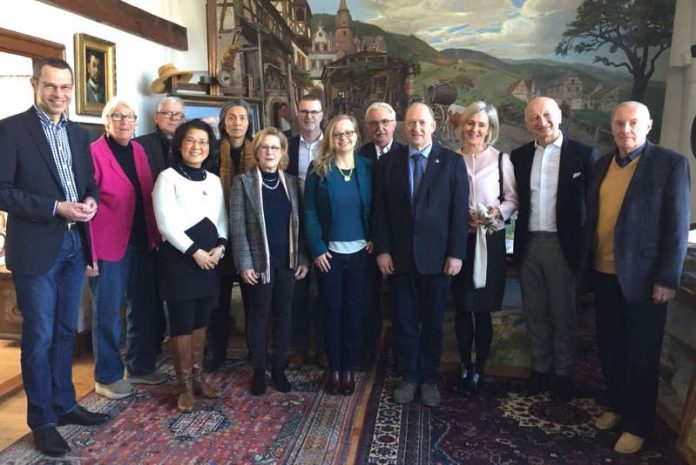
(447, 54)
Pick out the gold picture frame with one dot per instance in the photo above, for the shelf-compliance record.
(95, 74)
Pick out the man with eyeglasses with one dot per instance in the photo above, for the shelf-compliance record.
(380, 122)
(47, 186)
(157, 144)
(302, 150)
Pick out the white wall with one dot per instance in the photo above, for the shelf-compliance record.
(680, 96)
(137, 59)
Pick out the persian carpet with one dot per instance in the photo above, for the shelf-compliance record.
(305, 426)
(500, 426)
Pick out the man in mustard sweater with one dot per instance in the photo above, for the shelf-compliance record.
(638, 222)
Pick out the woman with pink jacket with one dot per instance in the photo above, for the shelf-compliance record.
(124, 238)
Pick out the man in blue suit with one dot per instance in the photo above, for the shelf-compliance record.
(420, 227)
(553, 175)
(638, 223)
(380, 122)
(47, 187)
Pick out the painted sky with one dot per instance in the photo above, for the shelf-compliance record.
(517, 29)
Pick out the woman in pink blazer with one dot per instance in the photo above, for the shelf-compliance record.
(124, 238)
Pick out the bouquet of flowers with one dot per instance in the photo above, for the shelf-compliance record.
(487, 222)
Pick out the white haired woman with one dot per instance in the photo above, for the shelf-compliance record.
(124, 238)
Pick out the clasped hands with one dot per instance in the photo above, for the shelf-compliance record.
(77, 211)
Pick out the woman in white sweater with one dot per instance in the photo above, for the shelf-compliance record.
(190, 213)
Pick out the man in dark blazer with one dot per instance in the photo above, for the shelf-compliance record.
(380, 122)
(306, 317)
(637, 234)
(47, 187)
(420, 227)
(553, 175)
(157, 144)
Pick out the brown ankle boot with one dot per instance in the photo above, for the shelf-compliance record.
(200, 384)
(180, 347)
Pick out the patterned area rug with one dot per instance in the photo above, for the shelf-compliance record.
(303, 427)
(500, 426)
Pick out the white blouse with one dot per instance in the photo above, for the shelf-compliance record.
(484, 182)
(180, 203)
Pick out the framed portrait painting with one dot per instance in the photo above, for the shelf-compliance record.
(95, 74)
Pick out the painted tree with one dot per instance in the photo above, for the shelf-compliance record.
(633, 32)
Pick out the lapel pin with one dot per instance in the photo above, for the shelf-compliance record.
(437, 160)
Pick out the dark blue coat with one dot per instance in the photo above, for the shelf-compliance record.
(419, 238)
(29, 187)
(651, 232)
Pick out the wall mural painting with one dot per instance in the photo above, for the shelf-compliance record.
(588, 55)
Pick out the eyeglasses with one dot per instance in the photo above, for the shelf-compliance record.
(269, 148)
(311, 112)
(175, 115)
(121, 117)
(192, 141)
(347, 134)
(383, 122)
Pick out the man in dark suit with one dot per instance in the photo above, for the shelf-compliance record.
(380, 122)
(157, 144)
(638, 223)
(47, 187)
(306, 316)
(420, 227)
(553, 175)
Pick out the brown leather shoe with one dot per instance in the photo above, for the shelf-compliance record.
(296, 360)
(180, 347)
(347, 383)
(607, 420)
(628, 444)
(333, 383)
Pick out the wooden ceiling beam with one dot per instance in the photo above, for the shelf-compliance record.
(121, 15)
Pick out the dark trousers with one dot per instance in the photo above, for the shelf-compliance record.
(307, 316)
(273, 298)
(342, 291)
(629, 336)
(419, 303)
(372, 326)
(220, 318)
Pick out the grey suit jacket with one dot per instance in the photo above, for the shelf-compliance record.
(248, 228)
(651, 232)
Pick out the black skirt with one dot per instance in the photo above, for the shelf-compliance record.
(180, 277)
(489, 298)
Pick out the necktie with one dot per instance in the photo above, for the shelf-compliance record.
(418, 170)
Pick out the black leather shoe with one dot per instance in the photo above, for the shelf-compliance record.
(49, 441)
(538, 382)
(476, 381)
(280, 380)
(81, 416)
(464, 379)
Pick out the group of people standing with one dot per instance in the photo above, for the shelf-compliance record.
(172, 219)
